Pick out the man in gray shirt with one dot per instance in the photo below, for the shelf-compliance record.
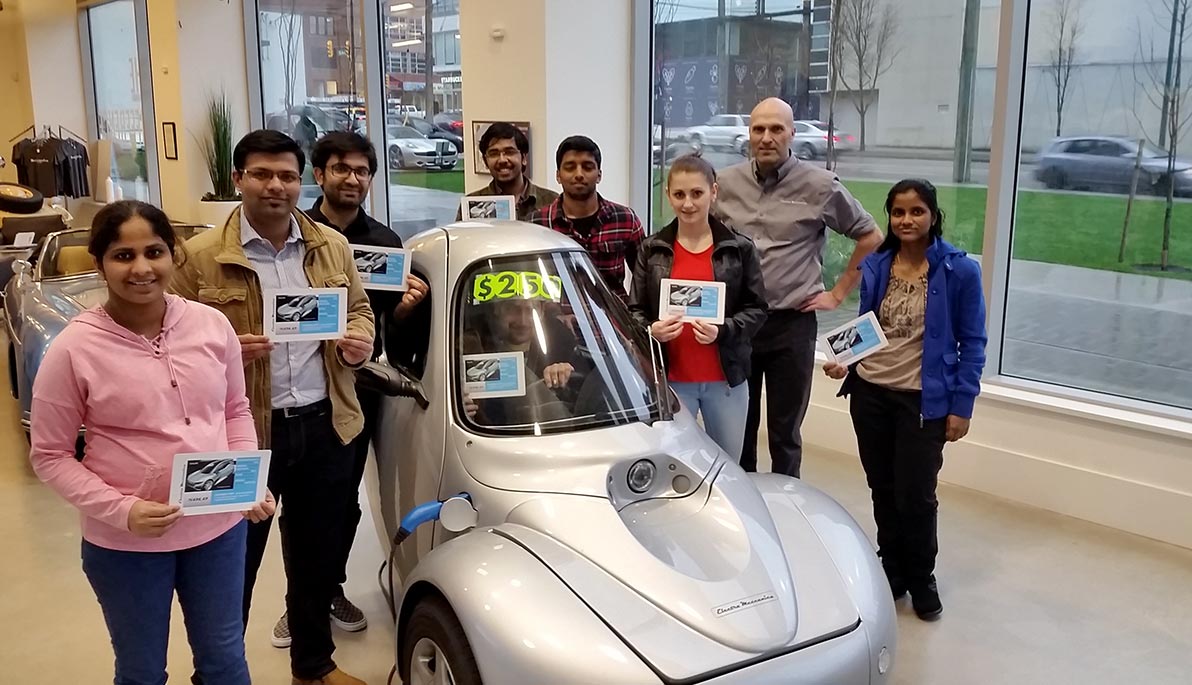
(784, 205)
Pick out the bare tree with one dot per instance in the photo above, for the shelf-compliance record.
(835, 59)
(289, 27)
(1067, 27)
(867, 32)
(1172, 96)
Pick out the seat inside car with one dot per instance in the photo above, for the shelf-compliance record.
(74, 259)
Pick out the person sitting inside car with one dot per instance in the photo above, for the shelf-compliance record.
(523, 325)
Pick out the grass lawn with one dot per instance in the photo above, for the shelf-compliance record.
(451, 181)
(1075, 229)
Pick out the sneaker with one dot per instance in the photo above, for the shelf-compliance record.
(347, 616)
(281, 633)
(925, 599)
(336, 677)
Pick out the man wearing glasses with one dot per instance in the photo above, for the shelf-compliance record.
(303, 394)
(344, 165)
(506, 152)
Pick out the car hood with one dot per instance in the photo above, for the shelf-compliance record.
(693, 583)
(1159, 165)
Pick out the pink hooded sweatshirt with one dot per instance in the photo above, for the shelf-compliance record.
(141, 402)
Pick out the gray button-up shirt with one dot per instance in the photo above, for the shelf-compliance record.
(785, 214)
(298, 377)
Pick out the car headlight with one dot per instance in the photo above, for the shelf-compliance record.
(641, 475)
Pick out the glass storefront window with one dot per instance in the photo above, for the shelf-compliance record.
(423, 114)
(711, 68)
(1099, 284)
(119, 100)
(312, 72)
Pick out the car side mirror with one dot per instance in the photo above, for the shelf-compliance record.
(391, 382)
(21, 267)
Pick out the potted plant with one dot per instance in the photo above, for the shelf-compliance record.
(216, 146)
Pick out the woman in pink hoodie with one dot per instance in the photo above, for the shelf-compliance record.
(149, 375)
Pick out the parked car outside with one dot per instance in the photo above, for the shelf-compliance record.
(722, 132)
(429, 130)
(451, 121)
(409, 149)
(1106, 163)
(811, 140)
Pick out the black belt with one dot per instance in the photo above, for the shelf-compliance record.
(314, 408)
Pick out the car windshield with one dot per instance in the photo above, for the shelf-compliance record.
(543, 347)
(65, 254)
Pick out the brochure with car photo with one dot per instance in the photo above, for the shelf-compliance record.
(855, 340)
(306, 314)
(488, 208)
(500, 374)
(218, 482)
(382, 268)
(691, 300)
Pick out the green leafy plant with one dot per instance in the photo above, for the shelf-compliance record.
(216, 146)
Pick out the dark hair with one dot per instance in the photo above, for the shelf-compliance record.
(693, 164)
(341, 144)
(577, 144)
(267, 142)
(927, 194)
(105, 227)
(503, 130)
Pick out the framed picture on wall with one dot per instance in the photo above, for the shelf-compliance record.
(478, 129)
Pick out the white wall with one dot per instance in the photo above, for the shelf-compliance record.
(588, 62)
(55, 63)
(17, 112)
(1087, 467)
(211, 58)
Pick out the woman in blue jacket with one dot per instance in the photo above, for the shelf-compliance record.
(911, 397)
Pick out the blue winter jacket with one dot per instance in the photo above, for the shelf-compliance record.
(954, 339)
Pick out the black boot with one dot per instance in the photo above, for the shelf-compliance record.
(925, 598)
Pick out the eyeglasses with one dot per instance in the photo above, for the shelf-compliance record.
(342, 170)
(266, 175)
(510, 152)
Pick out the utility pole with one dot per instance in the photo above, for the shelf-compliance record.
(1167, 94)
(962, 154)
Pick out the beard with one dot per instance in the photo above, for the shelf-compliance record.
(338, 203)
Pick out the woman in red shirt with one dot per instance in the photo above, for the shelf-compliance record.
(708, 363)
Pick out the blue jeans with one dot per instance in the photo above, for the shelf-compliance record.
(136, 592)
(724, 410)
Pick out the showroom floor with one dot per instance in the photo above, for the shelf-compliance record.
(1030, 597)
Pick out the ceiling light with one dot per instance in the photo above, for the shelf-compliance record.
(402, 7)
(406, 43)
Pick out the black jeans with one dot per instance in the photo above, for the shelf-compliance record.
(310, 474)
(902, 455)
(783, 359)
(370, 404)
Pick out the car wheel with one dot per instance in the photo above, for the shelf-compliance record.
(1056, 179)
(1159, 186)
(396, 161)
(434, 648)
(742, 146)
(697, 142)
(19, 199)
(207, 485)
(805, 151)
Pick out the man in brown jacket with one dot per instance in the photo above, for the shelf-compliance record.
(302, 393)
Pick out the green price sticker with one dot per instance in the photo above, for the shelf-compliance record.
(523, 285)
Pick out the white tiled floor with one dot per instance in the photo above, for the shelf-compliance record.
(1030, 597)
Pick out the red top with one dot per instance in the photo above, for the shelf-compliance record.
(691, 362)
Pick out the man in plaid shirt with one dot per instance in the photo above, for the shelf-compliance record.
(611, 233)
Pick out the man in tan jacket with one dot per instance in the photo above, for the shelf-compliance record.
(302, 393)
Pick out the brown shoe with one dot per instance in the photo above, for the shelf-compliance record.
(336, 677)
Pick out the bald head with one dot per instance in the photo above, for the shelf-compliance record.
(771, 127)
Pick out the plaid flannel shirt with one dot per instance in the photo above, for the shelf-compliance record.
(613, 242)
